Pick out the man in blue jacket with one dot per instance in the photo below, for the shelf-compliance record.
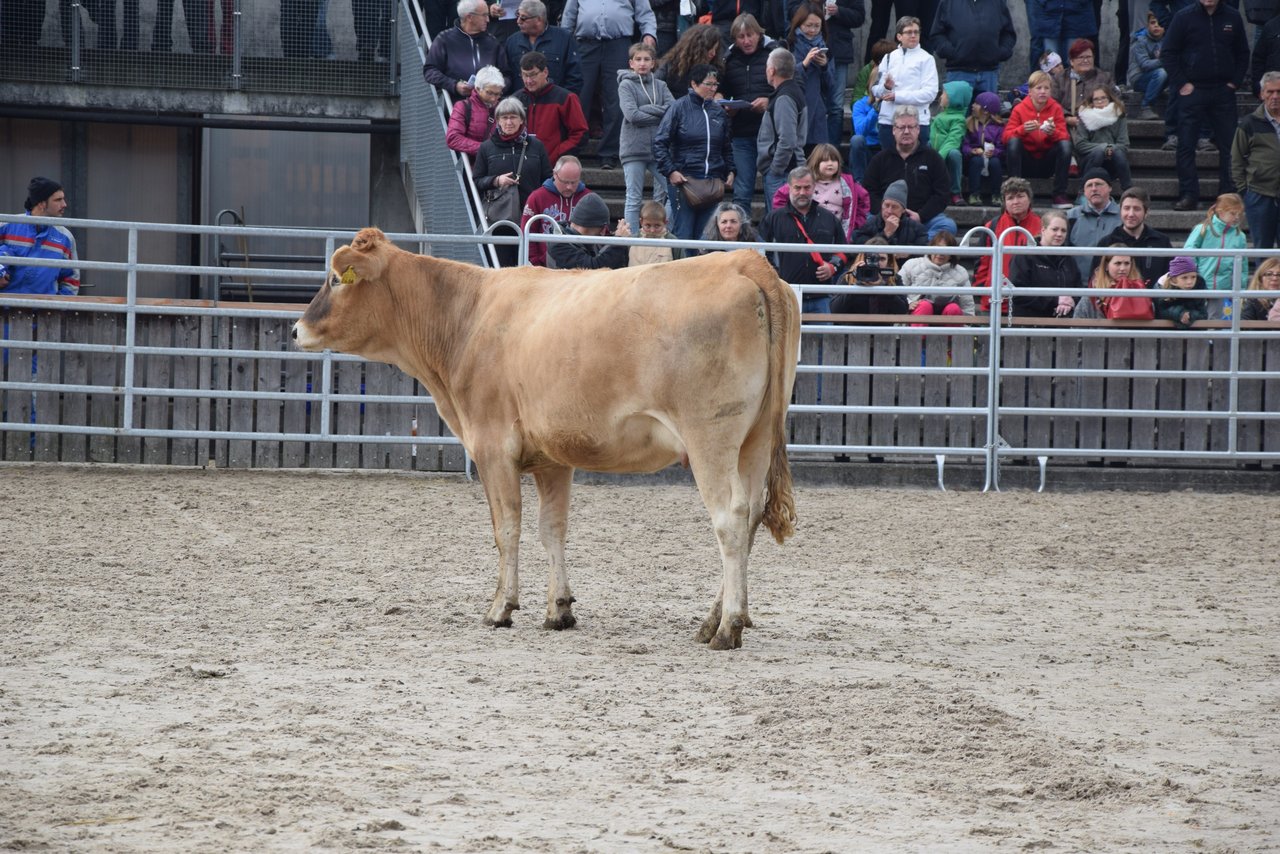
(1207, 56)
(555, 43)
(20, 239)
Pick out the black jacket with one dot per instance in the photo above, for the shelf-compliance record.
(455, 56)
(780, 226)
(1042, 270)
(586, 256)
(1204, 49)
(973, 35)
(909, 233)
(498, 157)
(693, 139)
(1150, 267)
(744, 79)
(928, 182)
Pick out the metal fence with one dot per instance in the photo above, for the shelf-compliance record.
(328, 47)
(161, 381)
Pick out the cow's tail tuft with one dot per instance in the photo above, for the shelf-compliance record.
(784, 345)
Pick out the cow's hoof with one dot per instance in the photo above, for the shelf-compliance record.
(500, 623)
(726, 640)
(560, 623)
(705, 632)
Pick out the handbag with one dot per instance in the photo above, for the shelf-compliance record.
(1128, 308)
(504, 202)
(702, 192)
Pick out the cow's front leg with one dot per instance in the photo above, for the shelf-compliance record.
(553, 526)
(501, 482)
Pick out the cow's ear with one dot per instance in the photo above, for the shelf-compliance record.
(350, 265)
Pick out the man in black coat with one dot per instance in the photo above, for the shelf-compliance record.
(803, 221)
(923, 169)
(974, 37)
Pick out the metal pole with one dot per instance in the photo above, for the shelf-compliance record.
(130, 329)
(237, 47)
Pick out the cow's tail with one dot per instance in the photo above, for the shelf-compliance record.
(784, 346)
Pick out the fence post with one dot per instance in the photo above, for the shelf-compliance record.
(130, 329)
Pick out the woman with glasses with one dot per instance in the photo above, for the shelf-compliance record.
(510, 157)
(908, 78)
(807, 38)
(1101, 138)
(1265, 278)
(693, 146)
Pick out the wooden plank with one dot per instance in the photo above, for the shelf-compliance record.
(186, 374)
(156, 372)
(963, 430)
(348, 379)
(910, 387)
(1040, 355)
(1119, 389)
(884, 387)
(937, 354)
(273, 339)
(1066, 389)
(1219, 393)
(21, 364)
(1195, 395)
(1271, 397)
(1169, 390)
(243, 377)
(1013, 389)
(831, 424)
(76, 326)
(400, 456)
(1093, 356)
(1146, 357)
(804, 425)
(377, 416)
(104, 370)
(857, 389)
(295, 414)
(1249, 428)
(48, 404)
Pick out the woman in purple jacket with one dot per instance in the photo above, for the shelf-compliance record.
(983, 149)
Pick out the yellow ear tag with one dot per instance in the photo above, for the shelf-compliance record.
(349, 276)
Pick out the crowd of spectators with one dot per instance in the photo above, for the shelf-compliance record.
(700, 110)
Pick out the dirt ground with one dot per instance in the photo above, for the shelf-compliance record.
(207, 661)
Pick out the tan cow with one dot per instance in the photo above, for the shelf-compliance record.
(628, 370)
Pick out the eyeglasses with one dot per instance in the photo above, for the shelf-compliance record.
(913, 31)
(710, 84)
(906, 127)
(1271, 274)
(523, 18)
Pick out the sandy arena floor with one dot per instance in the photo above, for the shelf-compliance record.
(208, 661)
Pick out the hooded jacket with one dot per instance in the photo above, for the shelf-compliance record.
(1217, 270)
(947, 131)
(922, 273)
(547, 200)
(1144, 55)
(643, 101)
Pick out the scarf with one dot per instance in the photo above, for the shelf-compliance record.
(1096, 119)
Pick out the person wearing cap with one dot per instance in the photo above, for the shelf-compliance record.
(923, 169)
(1134, 231)
(1183, 276)
(1094, 218)
(974, 37)
(590, 217)
(892, 222)
(25, 239)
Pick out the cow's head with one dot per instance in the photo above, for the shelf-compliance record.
(351, 308)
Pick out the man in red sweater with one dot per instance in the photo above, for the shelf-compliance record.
(554, 113)
(1016, 195)
(557, 197)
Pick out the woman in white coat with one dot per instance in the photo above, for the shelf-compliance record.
(908, 77)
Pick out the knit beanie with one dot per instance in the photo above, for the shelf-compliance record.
(1096, 172)
(988, 101)
(1181, 264)
(590, 211)
(39, 190)
(897, 191)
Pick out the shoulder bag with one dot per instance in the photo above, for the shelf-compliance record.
(504, 202)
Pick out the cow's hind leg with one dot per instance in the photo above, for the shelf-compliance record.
(724, 493)
(502, 489)
(553, 525)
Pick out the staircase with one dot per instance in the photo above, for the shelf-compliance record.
(1152, 168)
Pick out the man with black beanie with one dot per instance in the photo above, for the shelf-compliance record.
(590, 217)
(24, 239)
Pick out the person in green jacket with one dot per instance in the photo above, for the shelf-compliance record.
(948, 130)
(1220, 230)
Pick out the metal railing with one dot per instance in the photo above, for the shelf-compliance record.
(340, 384)
(229, 45)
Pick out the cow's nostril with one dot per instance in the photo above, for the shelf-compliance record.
(293, 333)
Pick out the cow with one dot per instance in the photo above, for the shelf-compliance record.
(547, 371)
